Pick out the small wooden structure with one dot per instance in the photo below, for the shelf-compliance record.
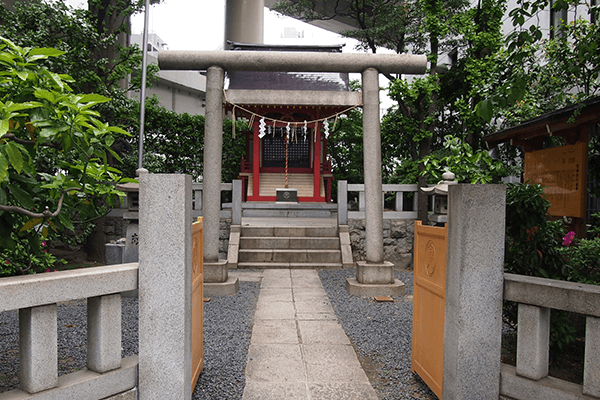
(197, 301)
(561, 170)
(429, 304)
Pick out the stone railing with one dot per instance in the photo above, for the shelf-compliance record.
(225, 207)
(535, 298)
(36, 298)
(401, 190)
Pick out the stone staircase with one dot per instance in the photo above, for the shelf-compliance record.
(263, 247)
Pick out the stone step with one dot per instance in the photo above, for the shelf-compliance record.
(307, 243)
(286, 255)
(289, 231)
(254, 213)
(273, 265)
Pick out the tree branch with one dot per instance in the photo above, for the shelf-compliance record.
(32, 142)
(44, 214)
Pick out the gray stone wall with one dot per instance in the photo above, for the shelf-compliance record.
(398, 238)
(224, 230)
(114, 228)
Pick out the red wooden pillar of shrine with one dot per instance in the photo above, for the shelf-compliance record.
(255, 161)
(317, 163)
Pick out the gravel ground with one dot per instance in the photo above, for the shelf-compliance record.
(381, 334)
(227, 330)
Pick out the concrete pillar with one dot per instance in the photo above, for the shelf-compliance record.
(244, 21)
(533, 341)
(474, 289)
(165, 287)
(213, 154)
(372, 155)
(591, 370)
(342, 200)
(37, 348)
(104, 333)
(236, 200)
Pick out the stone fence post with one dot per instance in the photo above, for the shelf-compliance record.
(474, 288)
(165, 287)
(342, 202)
(236, 202)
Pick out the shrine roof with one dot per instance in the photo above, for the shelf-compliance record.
(260, 80)
(566, 122)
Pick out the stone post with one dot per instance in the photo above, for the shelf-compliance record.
(474, 289)
(216, 273)
(165, 287)
(236, 203)
(342, 202)
(213, 153)
(372, 160)
(38, 351)
(533, 341)
(374, 277)
(104, 333)
(591, 374)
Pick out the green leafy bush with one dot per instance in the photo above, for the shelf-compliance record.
(54, 174)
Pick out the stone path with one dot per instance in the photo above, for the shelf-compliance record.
(298, 350)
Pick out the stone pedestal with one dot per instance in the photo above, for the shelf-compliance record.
(131, 250)
(217, 281)
(375, 280)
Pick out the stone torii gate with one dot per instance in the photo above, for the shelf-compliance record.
(375, 273)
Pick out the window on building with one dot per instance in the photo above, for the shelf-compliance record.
(558, 17)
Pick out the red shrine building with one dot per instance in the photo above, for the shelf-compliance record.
(290, 113)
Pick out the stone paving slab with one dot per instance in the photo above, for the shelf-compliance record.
(322, 332)
(275, 363)
(315, 317)
(275, 294)
(324, 354)
(275, 279)
(298, 350)
(275, 331)
(341, 391)
(320, 306)
(275, 310)
(275, 391)
(310, 294)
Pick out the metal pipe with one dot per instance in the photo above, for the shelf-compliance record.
(143, 88)
(291, 61)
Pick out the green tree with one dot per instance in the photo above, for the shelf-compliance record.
(174, 143)
(544, 74)
(53, 155)
(97, 56)
(439, 103)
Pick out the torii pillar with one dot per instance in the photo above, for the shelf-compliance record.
(373, 276)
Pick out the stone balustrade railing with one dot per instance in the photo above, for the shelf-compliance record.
(535, 298)
(198, 189)
(401, 191)
(36, 298)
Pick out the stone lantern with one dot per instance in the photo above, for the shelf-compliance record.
(440, 198)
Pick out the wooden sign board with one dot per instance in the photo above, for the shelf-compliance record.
(562, 171)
